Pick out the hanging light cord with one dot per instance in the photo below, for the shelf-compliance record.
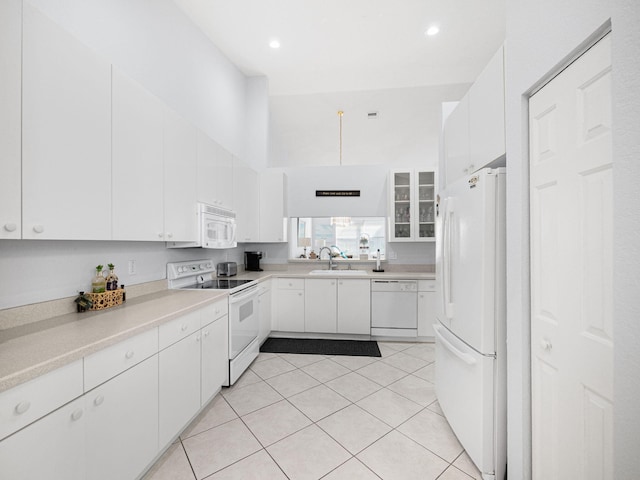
(340, 114)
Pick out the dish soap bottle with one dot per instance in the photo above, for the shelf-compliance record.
(98, 284)
(112, 278)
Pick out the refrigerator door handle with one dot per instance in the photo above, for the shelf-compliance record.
(446, 273)
(465, 357)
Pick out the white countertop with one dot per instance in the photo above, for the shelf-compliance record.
(33, 350)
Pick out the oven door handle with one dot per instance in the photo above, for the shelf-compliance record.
(249, 292)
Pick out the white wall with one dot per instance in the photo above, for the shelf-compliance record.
(34, 271)
(257, 123)
(541, 34)
(406, 132)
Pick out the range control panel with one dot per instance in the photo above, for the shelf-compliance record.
(189, 269)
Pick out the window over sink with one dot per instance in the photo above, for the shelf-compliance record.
(350, 238)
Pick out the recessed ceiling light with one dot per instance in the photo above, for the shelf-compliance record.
(274, 44)
(431, 31)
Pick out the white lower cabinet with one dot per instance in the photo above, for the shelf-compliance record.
(179, 392)
(265, 310)
(289, 302)
(320, 305)
(53, 447)
(426, 308)
(354, 306)
(122, 423)
(215, 357)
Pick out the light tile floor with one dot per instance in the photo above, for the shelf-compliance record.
(307, 417)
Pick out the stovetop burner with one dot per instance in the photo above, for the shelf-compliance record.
(219, 284)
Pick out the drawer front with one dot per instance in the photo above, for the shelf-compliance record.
(291, 283)
(105, 364)
(426, 285)
(220, 309)
(30, 401)
(175, 330)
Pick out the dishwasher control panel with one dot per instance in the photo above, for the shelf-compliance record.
(394, 285)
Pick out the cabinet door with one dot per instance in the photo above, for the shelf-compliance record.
(486, 114)
(179, 386)
(207, 151)
(425, 189)
(180, 179)
(246, 192)
(66, 134)
(289, 310)
(215, 357)
(137, 171)
(273, 223)
(10, 118)
(265, 313)
(320, 305)
(354, 306)
(53, 447)
(122, 423)
(426, 313)
(224, 179)
(401, 211)
(456, 142)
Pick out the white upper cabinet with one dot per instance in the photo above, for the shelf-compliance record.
(474, 134)
(180, 174)
(66, 134)
(10, 118)
(412, 206)
(215, 173)
(137, 165)
(273, 212)
(246, 189)
(456, 141)
(486, 113)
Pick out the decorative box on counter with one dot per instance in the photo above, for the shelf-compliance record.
(108, 299)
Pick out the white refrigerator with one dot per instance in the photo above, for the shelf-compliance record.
(471, 316)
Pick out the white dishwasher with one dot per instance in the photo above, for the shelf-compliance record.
(394, 308)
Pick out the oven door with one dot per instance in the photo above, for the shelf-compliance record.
(243, 320)
(218, 231)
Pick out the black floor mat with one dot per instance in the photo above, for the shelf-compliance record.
(359, 348)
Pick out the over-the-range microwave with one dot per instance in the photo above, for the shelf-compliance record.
(217, 229)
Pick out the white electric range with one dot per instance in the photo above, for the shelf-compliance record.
(243, 308)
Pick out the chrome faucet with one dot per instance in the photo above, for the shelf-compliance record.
(331, 265)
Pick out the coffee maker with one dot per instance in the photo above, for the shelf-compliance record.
(252, 261)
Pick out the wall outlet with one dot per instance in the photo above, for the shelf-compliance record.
(132, 267)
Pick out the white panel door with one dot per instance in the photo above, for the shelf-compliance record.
(571, 271)
(66, 134)
(137, 163)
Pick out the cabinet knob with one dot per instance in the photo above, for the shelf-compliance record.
(300, 294)
(169, 235)
(545, 345)
(98, 400)
(77, 415)
(10, 227)
(129, 355)
(160, 235)
(198, 337)
(206, 334)
(22, 407)
(184, 327)
(38, 228)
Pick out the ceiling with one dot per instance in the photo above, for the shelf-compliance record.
(353, 45)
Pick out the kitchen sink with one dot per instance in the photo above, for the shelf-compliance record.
(338, 273)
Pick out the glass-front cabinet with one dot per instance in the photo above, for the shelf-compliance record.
(412, 206)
